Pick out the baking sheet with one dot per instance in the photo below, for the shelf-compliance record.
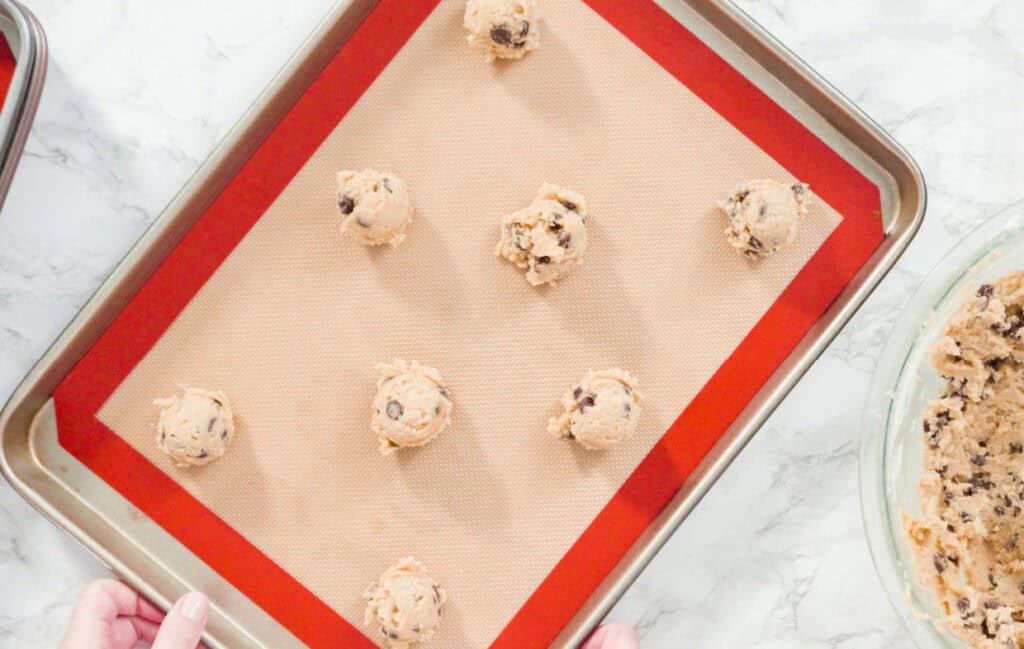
(645, 288)
(292, 323)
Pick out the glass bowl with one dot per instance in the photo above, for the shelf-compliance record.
(891, 454)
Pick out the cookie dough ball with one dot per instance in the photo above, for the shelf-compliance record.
(404, 604)
(504, 29)
(548, 238)
(412, 405)
(195, 428)
(764, 216)
(375, 207)
(600, 412)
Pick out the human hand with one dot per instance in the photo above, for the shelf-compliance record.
(110, 615)
(613, 636)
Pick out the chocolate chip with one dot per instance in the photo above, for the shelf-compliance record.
(224, 435)
(939, 562)
(501, 35)
(953, 559)
(444, 392)
(569, 205)
(986, 290)
(577, 392)
(995, 363)
(799, 189)
(947, 497)
(555, 227)
(950, 528)
(437, 410)
(543, 259)
(756, 244)
(763, 211)
(415, 628)
(998, 509)
(992, 579)
(394, 409)
(965, 517)
(1012, 543)
(1016, 511)
(742, 195)
(387, 183)
(627, 408)
(963, 604)
(978, 460)
(585, 403)
(985, 630)
(209, 426)
(1016, 447)
(1007, 501)
(346, 205)
(217, 402)
(564, 240)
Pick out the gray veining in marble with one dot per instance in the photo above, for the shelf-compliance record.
(139, 93)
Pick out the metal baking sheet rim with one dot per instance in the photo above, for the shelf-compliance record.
(28, 409)
(28, 44)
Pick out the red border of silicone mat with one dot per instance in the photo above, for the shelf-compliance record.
(8, 65)
(82, 393)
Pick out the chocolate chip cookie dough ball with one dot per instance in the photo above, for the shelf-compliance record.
(600, 412)
(504, 29)
(194, 429)
(404, 604)
(764, 216)
(548, 238)
(412, 405)
(375, 207)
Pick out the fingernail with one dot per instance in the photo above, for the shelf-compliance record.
(195, 606)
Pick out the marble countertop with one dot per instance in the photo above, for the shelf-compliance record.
(138, 94)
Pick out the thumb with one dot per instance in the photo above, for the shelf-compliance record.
(183, 626)
(613, 636)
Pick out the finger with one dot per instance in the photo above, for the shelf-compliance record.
(149, 612)
(184, 624)
(107, 599)
(613, 636)
(146, 609)
(128, 631)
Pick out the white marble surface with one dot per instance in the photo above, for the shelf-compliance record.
(139, 92)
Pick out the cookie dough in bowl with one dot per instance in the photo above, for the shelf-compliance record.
(404, 604)
(503, 29)
(547, 239)
(412, 405)
(195, 428)
(969, 539)
(764, 216)
(600, 412)
(375, 207)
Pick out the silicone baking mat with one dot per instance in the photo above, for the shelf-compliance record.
(264, 299)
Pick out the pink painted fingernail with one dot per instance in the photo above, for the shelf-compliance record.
(195, 607)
